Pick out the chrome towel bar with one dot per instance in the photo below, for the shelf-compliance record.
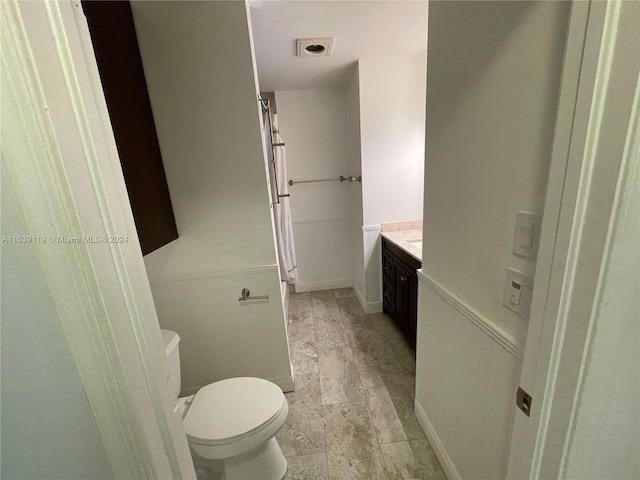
(341, 178)
(246, 295)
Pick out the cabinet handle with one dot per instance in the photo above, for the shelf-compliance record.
(403, 279)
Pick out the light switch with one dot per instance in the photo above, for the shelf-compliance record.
(527, 234)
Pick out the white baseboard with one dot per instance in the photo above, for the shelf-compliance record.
(322, 285)
(448, 467)
(371, 307)
(359, 295)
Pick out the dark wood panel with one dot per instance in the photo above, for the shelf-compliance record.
(116, 47)
(412, 308)
(399, 296)
(400, 288)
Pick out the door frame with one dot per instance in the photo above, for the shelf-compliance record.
(579, 220)
(61, 164)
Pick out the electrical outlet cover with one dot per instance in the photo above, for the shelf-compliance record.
(526, 292)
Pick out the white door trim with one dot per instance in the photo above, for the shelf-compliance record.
(60, 160)
(582, 198)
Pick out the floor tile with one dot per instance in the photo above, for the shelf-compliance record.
(387, 327)
(391, 405)
(353, 407)
(323, 297)
(339, 378)
(369, 348)
(382, 379)
(303, 431)
(330, 332)
(352, 449)
(307, 467)
(303, 351)
(301, 313)
(403, 354)
(304, 297)
(351, 310)
(344, 293)
(394, 418)
(409, 380)
(413, 460)
(307, 391)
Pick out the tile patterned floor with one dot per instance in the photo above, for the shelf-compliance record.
(351, 415)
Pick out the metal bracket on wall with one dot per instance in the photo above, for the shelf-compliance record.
(523, 401)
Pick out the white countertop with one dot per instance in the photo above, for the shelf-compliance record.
(408, 240)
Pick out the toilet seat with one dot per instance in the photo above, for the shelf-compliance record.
(231, 410)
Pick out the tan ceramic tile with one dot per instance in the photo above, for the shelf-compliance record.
(412, 460)
(301, 313)
(403, 354)
(339, 378)
(303, 352)
(390, 404)
(387, 327)
(344, 293)
(300, 298)
(353, 452)
(351, 311)
(303, 431)
(330, 332)
(307, 467)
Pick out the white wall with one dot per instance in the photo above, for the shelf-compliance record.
(493, 77)
(491, 110)
(392, 132)
(352, 105)
(313, 125)
(200, 74)
(392, 116)
(47, 427)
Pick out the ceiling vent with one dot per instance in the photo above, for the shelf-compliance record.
(314, 47)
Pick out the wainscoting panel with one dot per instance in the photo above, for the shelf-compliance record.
(467, 371)
(222, 337)
(372, 268)
(322, 250)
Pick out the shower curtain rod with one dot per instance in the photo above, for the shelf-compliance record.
(341, 179)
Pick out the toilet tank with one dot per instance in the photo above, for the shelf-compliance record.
(171, 349)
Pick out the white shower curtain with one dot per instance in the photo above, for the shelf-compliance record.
(281, 208)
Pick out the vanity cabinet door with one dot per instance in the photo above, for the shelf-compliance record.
(115, 45)
(399, 296)
(400, 288)
(412, 308)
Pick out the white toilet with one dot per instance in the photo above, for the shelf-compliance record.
(231, 424)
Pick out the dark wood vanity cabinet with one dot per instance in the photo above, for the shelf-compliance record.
(115, 45)
(400, 288)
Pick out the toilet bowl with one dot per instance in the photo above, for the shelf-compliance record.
(231, 424)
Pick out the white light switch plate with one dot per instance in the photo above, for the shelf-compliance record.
(527, 234)
(522, 296)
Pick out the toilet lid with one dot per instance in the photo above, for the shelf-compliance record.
(225, 410)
